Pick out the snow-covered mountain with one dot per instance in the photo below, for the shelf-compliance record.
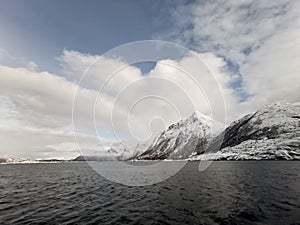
(113, 151)
(183, 139)
(120, 152)
(25, 161)
(272, 132)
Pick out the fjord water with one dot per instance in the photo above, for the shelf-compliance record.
(248, 192)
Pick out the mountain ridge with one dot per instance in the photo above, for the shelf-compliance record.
(270, 133)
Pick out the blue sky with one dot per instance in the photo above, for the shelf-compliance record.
(252, 49)
(41, 30)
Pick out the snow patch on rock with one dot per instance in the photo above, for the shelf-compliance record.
(181, 140)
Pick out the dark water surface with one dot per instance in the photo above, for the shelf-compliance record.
(225, 193)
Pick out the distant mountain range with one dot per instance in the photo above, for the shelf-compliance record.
(11, 160)
(271, 133)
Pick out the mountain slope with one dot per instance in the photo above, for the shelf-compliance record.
(183, 139)
(272, 132)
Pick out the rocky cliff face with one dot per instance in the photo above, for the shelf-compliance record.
(183, 139)
(271, 133)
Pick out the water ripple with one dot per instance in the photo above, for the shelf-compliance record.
(226, 193)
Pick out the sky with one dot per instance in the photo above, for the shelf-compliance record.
(244, 54)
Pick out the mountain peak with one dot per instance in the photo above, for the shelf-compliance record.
(182, 139)
(199, 116)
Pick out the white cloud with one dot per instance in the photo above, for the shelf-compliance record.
(95, 71)
(231, 28)
(205, 80)
(42, 101)
(272, 72)
(45, 100)
(166, 81)
(40, 143)
(260, 37)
